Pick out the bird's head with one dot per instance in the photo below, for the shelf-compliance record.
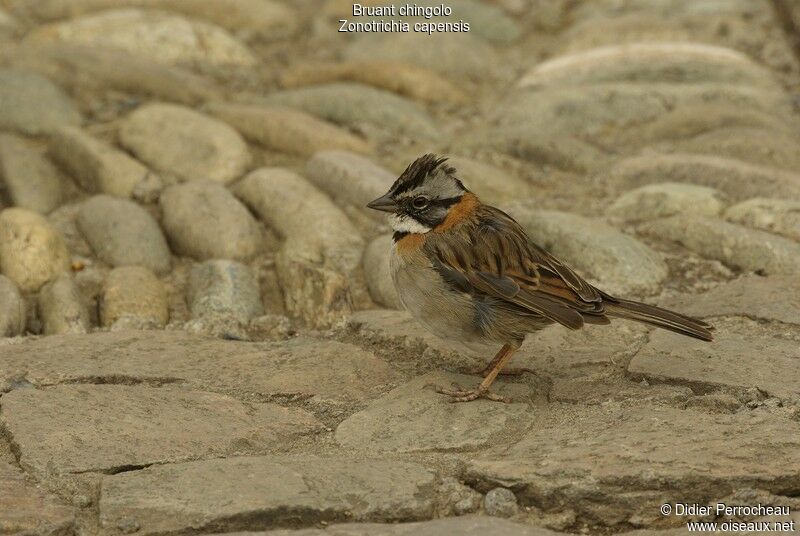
(421, 198)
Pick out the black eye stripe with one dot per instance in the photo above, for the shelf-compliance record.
(444, 203)
(440, 203)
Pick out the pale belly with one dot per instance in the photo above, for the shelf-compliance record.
(442, 311)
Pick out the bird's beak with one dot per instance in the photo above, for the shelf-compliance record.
(383, 203)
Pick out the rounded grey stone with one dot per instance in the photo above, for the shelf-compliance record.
(357, 105)
(185, 143)
(737, 179)
(31, 180)
(526, 141)
(286, 130)
(153, 34)
(779, 216)
(457, 55)
(61, 309)
(270, 327)
(459, 499)
(377, 273)
(660, 200)
(493, 185)
(350, 179)
(734, 245)
(32, 250)
(500, 502)
(133, 298)
(98, 167)
(205, 221)
(616, 262)
(675, 62)
(12, 309)
(122, 233)
(31, 104)
(318, 265)
(260, 16)
(220, 326)
(226, 288)
(697, 120)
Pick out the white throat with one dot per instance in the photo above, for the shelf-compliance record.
(406, 224)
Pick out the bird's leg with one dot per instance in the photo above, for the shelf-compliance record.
(515, 371)
(482, 391)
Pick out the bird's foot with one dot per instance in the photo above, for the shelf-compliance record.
(460, 394)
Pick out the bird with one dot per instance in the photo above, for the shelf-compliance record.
(467, 271)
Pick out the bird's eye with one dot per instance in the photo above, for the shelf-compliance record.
(419, 202)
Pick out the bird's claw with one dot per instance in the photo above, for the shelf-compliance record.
(460, 394)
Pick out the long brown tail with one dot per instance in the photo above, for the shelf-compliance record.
(662, 318)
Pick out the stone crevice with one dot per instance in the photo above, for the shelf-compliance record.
(117, 469)
(119, 379)
(5, 435)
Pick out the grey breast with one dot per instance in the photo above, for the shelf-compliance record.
(446, 312)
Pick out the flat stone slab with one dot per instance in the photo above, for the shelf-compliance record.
(732, 359)
(26, 509)
(326, 371)
(401, 330)
(265, 492)
(413, 418)
(613, 465)
(562, 353)
(108, 428)
(775, 297)
(471, 525)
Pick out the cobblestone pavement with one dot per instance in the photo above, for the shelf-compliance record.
(198, 330)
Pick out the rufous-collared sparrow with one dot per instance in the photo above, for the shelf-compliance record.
(467, 271)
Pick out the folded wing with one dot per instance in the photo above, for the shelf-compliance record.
(494, 257)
